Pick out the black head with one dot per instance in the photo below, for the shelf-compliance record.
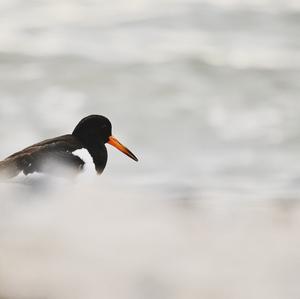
(93, 129)
(96, 130)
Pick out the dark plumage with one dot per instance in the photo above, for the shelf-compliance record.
(56, 154)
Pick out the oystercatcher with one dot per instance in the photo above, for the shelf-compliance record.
(55, 155)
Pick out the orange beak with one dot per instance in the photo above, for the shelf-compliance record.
(114, 142)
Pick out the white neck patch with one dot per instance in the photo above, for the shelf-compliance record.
(84, 155)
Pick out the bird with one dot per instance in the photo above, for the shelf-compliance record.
(55, 155)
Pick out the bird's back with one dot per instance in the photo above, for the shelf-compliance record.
(51, 155)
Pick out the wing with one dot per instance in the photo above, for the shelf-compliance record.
(49, 156)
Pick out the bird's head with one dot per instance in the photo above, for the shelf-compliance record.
(96, 129)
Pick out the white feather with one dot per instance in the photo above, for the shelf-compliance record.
(89, 166)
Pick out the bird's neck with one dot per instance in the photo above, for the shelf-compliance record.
(99, 156)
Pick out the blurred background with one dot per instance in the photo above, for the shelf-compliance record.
(206, 94)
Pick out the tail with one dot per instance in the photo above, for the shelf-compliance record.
(8, 169)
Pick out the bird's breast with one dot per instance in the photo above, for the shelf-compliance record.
(85, 156)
